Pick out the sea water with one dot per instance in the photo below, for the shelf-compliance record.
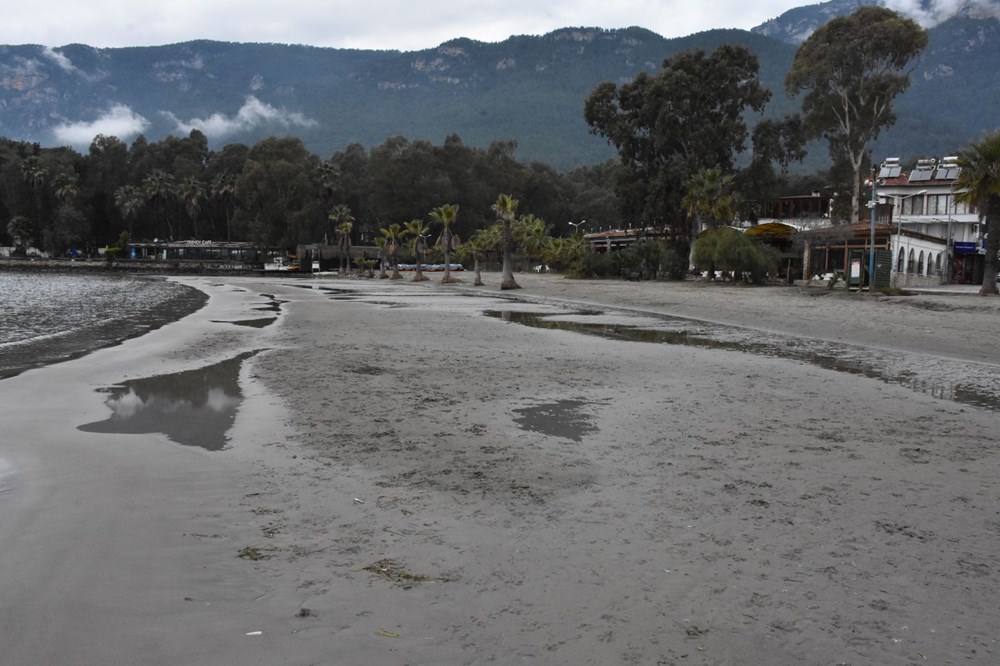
(50, 317)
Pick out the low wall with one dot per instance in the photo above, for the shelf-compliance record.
(903, 280)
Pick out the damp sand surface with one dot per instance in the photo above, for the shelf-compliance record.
(409, 480)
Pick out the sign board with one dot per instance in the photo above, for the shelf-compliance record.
(966, 247)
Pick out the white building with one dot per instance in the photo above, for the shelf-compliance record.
(936, 239)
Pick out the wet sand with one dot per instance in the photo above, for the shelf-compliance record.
(411, 482)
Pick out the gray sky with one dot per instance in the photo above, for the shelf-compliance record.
(368, 24)
(384, 24)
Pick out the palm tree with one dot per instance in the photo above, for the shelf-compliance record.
(706, 198)
(381, 243)
(129, 199)
(531, 233)
(69, 220)
(20, 229)
(340, 216)
(979, 184)
(706, 202)
(344, 243)
(367, 264)
(393, 235)
(190, 194)
(566, 253)
(417, 230)
(484, 240)
(506, 208)
(65, 187)
(224, 190)
(445, 216)
(37, 176)
(158, 188)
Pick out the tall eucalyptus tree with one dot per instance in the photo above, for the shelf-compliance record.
(851, 69)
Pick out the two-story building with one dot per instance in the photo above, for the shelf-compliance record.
(935, 238)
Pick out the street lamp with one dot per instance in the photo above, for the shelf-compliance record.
(576, 225)
(874, 182)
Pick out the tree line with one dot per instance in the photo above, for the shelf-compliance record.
(275, 192)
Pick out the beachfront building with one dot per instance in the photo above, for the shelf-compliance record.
(617, 239)
(923, 236)
(232, 255)
(935, 239)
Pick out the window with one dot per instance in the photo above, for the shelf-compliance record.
(899, 262)
(909, 262)
(932, 205)
(913, 205)
(920, 264)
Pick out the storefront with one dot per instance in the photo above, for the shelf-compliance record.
(843, 250)
(969, 263)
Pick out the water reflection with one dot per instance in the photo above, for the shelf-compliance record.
(252, 323)
(194, 407)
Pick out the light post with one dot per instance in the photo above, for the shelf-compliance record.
(871, 251)
(576, 225)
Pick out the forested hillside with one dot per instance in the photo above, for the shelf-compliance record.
(527, 89)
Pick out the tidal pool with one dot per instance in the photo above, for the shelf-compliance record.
(193, 408)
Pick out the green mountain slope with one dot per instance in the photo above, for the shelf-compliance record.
(529, 89)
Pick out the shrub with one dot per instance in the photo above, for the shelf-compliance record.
(728, 250)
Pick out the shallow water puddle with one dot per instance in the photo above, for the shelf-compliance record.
(273, 306)
(253, 323)
(967, 383)
(562, 418)
(194, 407)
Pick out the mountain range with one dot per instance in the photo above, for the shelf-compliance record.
(527, 88)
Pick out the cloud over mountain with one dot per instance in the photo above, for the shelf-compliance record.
(253, 114)
(119, 120)
(930, 14)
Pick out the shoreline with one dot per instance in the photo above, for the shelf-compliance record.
(19, 356)
(102, 265)
(428, 485)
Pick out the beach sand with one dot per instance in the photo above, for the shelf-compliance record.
(409, 481)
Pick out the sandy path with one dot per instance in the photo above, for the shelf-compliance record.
(529, 495)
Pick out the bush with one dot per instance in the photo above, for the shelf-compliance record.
(597, 265)
(674, 263)
(645, 260)
(729, 250)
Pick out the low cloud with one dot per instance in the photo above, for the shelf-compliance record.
(929, 14)
(119, 121)
(254, 113)
(58, 58)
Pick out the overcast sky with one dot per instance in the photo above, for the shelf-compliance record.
(382, 24)
(368, 24)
